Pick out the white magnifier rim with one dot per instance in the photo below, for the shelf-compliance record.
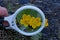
(27, 7)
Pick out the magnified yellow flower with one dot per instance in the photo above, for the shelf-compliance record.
(25, 20)
(24, 16)
(34, 26)
(35, 22)
(38, 21)
(32, 21)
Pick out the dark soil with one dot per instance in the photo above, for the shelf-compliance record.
(51, 9)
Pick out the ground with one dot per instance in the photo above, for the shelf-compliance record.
(51, 9)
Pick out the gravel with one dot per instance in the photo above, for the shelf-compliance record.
(51, 9)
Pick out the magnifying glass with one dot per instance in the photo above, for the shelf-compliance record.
(14, 20)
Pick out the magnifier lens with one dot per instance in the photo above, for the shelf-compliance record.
(28, 20)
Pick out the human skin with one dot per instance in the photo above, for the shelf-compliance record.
(4, 13)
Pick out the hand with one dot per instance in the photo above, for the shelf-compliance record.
(3, 13)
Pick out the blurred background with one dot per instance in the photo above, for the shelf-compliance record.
(51, 9)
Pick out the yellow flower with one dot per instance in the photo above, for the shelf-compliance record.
(46, 24)
(32, 22)
(25, 20)
(38, 21)
(24, 16)
(35, 22)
